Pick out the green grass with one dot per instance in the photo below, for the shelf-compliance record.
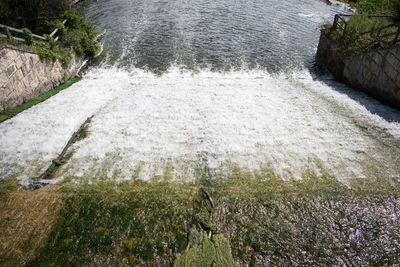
(7, 185)
(264, 219)
(132, 222)
(375, 6)
(353, 41)
(12, 112)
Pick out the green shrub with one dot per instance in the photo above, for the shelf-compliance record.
(374, 6)
(396, 9)
(362, 34)
(81, 35)
(61, 28)
(50, 40)
(46, 53)
(27, 35)
(81, 42)
(76, 34)
(74, 21)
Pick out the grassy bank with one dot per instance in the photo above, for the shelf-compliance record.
(266, 220)
(389, 7)
(365, 32)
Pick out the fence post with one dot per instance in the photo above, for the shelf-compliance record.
(335, 22)
(345, 27)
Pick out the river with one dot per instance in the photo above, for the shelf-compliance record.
(187, 84)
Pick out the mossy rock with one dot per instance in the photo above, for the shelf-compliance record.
(202, 251)
(223, 256)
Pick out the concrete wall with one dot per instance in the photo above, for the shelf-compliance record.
(376, 73)
(23, 76)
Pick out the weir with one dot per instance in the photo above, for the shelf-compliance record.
(185, 83)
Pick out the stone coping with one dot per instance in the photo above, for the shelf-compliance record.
(21, 49)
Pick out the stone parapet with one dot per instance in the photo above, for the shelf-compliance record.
(24, 76)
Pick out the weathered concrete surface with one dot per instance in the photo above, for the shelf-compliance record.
(376, 73)
(23, 76)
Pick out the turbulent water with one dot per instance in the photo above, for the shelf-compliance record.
(183, 84)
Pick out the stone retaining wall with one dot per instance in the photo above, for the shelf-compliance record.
(23, 76)
(376, 73)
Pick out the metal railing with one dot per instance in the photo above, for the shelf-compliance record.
(340, 23)
(19, 31)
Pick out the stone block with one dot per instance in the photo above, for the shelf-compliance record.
(26, 68)
(375, 68)
(24, 57)
(18, 75)
(377, 58)
(8, 55)
(390, 71)
(397, 82)
(14, 80)
(8, 88)
(3, 52)
(26, 82)
(34, 79)
(396, 51)
(393, 60)
(3, 78)
(19, 60)
(11, 70)
(34, 60)
(389, 83)
(19, 89)
(2, 92)
(366, 60)
(368, 76)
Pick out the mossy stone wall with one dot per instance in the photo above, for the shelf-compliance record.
(24, 76)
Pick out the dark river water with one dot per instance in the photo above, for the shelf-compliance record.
(220, 35)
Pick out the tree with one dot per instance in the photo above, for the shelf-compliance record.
(31, 14)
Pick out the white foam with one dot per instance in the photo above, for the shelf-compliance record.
(247, 118)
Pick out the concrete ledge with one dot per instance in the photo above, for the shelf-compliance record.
(16, 48)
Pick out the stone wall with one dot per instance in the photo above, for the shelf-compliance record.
(376, 73)
(23, 76)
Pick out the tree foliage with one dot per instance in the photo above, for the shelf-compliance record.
(31, 14)
(377, 6)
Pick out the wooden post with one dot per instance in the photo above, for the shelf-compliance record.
(335, 21)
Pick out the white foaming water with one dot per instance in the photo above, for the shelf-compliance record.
(147, 122)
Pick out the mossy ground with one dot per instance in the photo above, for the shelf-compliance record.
(265, 219)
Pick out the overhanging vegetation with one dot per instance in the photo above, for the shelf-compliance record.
(375, 24)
